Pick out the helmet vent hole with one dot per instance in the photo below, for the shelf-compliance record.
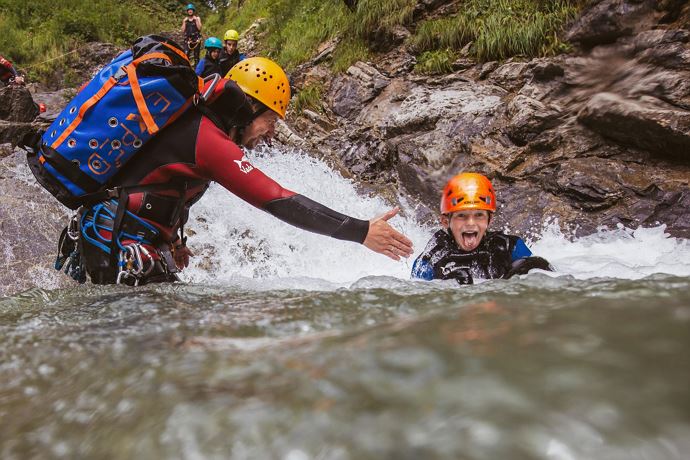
(246, 70)
(270, 76)
(258, 75)
(265, 79)
(256, 91)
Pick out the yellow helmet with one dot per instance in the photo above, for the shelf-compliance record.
(231, 35)
(264, 80)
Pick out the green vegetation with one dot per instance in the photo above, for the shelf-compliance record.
(435, 62)
(40, 35)
(292, 30)
(499, 29)
(310, 97)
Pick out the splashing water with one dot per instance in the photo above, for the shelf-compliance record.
(235, 241)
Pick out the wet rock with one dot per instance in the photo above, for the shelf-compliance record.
(396, 63)
(543, 70)
(665, 48)
(360, 84)
(14, 132)
(607, 21)
(424, 106)
(17, 104)
(510, 76)
(487, 68)
(665, 132)
(528, 119)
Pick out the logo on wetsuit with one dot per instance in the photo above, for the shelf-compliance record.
(244, 164)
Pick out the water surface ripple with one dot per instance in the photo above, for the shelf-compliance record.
(535, 368)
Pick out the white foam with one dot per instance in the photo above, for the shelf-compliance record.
(235, 242)
(615, 253)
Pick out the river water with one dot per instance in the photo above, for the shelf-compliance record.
(287, 345)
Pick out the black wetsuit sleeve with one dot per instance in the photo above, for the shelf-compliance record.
(307, 214)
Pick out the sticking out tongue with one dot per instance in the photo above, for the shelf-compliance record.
(470, 240)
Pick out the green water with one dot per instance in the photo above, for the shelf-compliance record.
(537, 368)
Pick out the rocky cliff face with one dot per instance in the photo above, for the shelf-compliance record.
(597, 137)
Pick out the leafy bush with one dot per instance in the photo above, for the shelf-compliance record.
(435, 62)
(499, 29)
(310, 97)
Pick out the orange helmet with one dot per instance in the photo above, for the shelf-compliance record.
(468, 191)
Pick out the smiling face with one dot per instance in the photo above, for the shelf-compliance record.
(190, 12)
(261, 129)
(467, 227)
(214, 53)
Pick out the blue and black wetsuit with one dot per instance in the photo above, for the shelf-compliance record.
(208, 66)
(493, 258)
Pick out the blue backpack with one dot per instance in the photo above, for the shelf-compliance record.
(140, 92)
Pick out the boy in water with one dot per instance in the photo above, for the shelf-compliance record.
(463, 249)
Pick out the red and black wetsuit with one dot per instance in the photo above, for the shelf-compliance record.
(7, 72)
(191, 153)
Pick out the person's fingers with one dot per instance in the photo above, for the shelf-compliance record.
(391, 254)
(390, 214)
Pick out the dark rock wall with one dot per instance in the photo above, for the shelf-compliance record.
(597, 137)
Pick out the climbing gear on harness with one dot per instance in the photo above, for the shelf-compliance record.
(468, 191)
(265, 81)
(111, 119)
(213, 43)
(69, 256)
(231, 35)
(132, 263)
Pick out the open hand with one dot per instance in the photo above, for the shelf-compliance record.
(386, 240)
(181, 256)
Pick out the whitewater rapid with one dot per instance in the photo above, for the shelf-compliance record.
(235, 242)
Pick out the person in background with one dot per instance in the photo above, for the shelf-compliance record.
(230, 55)
(191, 28)
(210, 64)
(8, 74)
(463, 249)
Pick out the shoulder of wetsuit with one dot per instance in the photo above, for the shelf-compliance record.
(232, 106)
(524, 265)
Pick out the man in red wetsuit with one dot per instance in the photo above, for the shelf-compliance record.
(200, 147)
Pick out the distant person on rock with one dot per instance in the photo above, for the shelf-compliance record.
(206, 143)
(191, 28)
(463, 249)
(210, 64)
(230, 55)
(8, 74)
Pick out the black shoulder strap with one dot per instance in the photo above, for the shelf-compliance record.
(211, 115)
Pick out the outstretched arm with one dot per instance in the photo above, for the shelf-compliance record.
(226, 164)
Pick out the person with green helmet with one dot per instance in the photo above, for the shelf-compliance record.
(210, 64)
(230, 55)
(191, 28)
